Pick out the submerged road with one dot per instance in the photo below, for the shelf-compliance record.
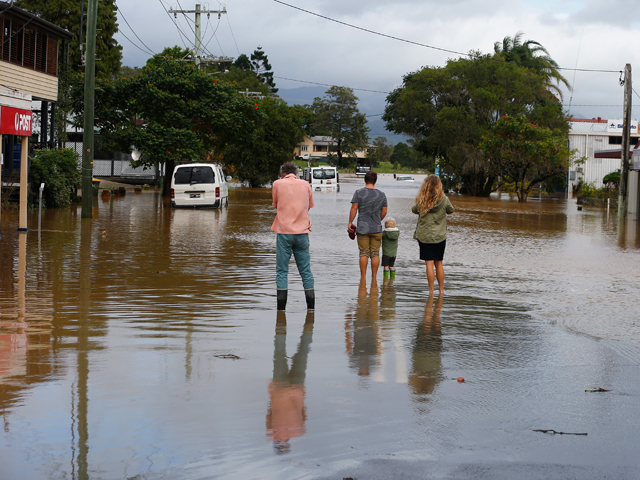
(145, 344)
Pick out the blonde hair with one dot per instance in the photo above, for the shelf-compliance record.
(390, 223)
(430, 193)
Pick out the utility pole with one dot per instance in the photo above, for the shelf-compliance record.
(89, 110)
(199, 59)
(198, 33)
(624, 159)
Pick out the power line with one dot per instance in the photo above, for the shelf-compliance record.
(328, 85)
(133, 31)
(135, 44)
(182, 34)
(423, 44)
(232, 35)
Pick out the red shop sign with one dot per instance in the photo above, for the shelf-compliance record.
(15, 121)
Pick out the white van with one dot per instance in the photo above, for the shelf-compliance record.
(323, 178)
(199, 185)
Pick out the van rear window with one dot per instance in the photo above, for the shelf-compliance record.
(191, 175)
(324, 174)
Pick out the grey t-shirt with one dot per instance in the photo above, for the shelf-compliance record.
(370, 203)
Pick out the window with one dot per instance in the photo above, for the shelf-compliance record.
(324, 174)
(304, 148)
(618, 140)
(191, 175)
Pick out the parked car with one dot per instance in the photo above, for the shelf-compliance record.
(404, 178)
(304, 156)
(199, 185)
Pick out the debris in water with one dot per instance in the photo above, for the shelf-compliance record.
(559, 433)
(228, 355)
(161, 271)
(597, 390)
(460, 379)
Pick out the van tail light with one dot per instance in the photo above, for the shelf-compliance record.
(173, 194)
(217, 192)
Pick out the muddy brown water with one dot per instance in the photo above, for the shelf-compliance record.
(144, 343)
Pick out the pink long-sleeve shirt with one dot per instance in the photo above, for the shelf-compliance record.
(293, 198)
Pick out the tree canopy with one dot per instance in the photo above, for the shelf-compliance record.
(379, 151)
(262, 68)
(274, 135)
(448, 110)
(337, 115)
(532, 55)
(526, 153)
(66, 14)
(171, 112)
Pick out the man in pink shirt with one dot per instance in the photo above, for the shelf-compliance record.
(292, 197)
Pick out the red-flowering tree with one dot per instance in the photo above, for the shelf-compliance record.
(526, 153)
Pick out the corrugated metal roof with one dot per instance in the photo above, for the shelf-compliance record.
(593, 127)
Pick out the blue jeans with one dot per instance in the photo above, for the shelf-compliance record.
(299, 245)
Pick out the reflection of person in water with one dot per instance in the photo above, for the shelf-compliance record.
(363, 336)
(286, 415)
(427, 348)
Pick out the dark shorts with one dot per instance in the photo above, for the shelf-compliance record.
(388, 261)
(432, 251)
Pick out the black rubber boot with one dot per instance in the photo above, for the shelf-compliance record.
(310, 296)
(282, 299)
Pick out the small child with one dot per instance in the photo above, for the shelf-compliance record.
(389, 246)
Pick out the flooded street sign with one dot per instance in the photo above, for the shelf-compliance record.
(146, 343)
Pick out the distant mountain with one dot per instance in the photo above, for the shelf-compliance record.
(369, 103)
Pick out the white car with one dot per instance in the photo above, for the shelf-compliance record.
(199, 185)
(404, 178)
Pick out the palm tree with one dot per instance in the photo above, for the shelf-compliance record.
(532, 54)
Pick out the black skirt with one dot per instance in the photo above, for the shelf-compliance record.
(432, 251)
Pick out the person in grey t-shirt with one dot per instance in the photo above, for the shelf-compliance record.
(371, 206)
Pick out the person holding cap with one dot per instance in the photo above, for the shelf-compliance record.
(370, 205)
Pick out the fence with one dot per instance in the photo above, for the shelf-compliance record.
(117, 165)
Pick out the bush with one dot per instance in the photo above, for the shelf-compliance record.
(60, 172)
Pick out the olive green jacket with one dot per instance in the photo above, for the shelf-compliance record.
(390, 241)
(432, 226)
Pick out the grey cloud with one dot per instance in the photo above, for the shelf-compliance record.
(612, 12)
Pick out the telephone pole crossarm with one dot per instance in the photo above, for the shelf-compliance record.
(198, 30)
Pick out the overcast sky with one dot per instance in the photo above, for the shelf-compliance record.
(583, 34)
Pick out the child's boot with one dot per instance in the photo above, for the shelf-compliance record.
(393, 273)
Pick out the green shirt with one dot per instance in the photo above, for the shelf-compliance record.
(432, 226)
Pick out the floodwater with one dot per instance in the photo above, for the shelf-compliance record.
(145, 344)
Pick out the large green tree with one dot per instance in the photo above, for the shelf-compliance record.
(532, 55)
(448, 110)
(337, 115)
(171, 112)
(401, 154)
(525, 153)
(66, 14)
(274, 136)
